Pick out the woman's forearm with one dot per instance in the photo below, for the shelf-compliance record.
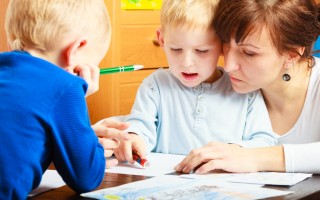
(269, 158)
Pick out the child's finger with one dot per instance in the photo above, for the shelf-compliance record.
(111, 163)
(115, 124)
(109, 144)
(108, 153)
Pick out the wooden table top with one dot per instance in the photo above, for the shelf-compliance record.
(307, 189)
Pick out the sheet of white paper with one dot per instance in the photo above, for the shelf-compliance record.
(50, 180)
(160, 164)
(263, 178)
(174, 187)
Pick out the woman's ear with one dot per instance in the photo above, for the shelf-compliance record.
(160, 37)
(71, 53)
(294, 56)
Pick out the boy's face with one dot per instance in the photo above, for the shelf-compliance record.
(192, 54)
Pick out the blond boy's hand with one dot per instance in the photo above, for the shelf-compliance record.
(110, 133)
(91, 75)
(109, 145)
(134, 144)
(111, 127)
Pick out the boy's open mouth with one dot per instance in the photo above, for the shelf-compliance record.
(189, 76)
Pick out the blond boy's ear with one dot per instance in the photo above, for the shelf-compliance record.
(71, 55)
(160, 37)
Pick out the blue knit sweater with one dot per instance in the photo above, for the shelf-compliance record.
(44, 119)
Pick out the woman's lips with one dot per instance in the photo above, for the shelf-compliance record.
(232, 78)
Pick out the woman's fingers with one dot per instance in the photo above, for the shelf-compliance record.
(199, 157)
(195, 158)
(206, 167)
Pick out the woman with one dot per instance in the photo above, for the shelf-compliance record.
(267, 46)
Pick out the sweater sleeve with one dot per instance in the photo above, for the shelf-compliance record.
(303, 158)
(78, 156)
(143, 118)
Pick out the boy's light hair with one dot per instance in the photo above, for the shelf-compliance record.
(42, 24)
(188, 13)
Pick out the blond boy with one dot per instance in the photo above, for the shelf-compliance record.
(56, 48)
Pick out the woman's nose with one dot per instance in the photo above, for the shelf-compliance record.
(230, 62)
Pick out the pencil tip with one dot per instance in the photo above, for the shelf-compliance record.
(137, 67)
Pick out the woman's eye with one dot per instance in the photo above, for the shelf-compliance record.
(250, 54)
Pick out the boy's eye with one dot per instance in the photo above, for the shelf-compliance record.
(176, 50)
(202, 51)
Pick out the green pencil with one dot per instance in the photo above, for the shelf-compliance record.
(120, 69)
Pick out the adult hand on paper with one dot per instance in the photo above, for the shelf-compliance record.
(110, 133)
(218, 156)
(127, 147)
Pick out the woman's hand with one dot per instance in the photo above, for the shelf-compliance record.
(218, 156)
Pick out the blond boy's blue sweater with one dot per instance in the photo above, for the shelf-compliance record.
(44, 119)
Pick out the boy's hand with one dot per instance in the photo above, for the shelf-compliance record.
(110, 133)
(134, 144)
(110, 127)
(91, 75)
(109, 145)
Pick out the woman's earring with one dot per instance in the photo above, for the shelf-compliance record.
(286, 77)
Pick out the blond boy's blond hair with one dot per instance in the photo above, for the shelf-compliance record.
(42, 24)
(188, 13)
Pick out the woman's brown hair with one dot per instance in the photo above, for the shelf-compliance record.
(292, 23)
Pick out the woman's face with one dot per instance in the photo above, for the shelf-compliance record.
(254, 63)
